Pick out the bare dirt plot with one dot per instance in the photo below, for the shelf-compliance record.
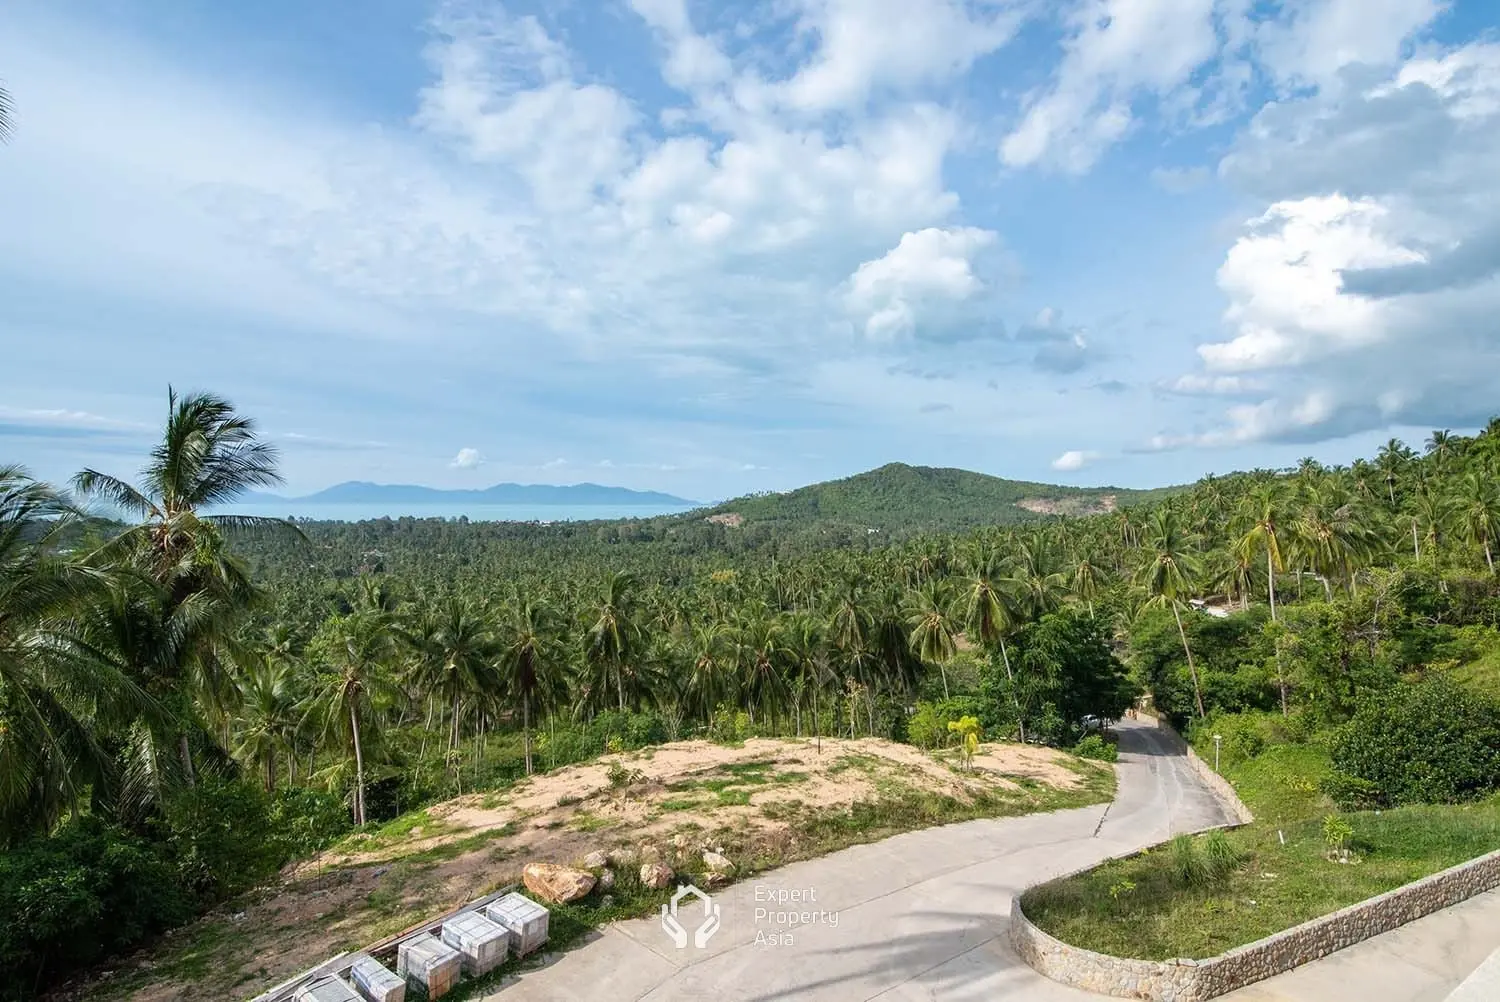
(765, 802)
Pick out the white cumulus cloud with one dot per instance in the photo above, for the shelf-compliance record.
(930, 268)
(1365, 295)
(467, 459)
(1074, 459)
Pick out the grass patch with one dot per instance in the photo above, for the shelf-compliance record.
(585, 821)
(1142, 906)
(409, 826)
(682, 804)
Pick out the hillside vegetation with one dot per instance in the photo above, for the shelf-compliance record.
(902, 499)
(189, 703)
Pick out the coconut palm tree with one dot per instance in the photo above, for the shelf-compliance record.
(1432, 514)
(1442, 445)
(55, 695)
(1260, 524)
(1036, 578)
(269, 716)
(989, 615)
(1332, 534)
(208, 456)
(614, 643)
(453, 657)
(1168, 576)
(533, 661)
(932, 626)
(354, 654)
(1088, 578)
(1392, 460)
(1477, 513)
(806, 646)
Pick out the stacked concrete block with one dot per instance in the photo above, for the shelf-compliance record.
(483, 943)
(376, 982)
(329, 989)
(524, 919)
(429, 962)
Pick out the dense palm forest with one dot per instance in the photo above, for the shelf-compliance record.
(189, 700)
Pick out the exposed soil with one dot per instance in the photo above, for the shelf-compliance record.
(666, 801)
(1075, 506)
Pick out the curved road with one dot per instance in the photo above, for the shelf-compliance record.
(918, 916)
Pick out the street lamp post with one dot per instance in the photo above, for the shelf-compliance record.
(1218, 741)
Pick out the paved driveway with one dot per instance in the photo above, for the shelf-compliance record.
(917, 916)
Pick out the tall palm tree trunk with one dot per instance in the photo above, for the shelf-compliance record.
(1270, 589)
(185, 752)
(359, 769)
(817, 737)
(1015, 697)
(526, 729)
(1192, 668)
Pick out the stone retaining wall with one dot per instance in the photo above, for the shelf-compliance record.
(1194, 980)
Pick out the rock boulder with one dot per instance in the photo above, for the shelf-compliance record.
(656, 875)
(556, 884)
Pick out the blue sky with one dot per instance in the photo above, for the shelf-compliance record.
(710, 248)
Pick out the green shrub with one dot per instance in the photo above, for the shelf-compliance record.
(927, 727)
(303, 821)
(77, 896)
(1337, 832)
(218, 835)
(1351, 793)
(1095, 747)
(1427, 742)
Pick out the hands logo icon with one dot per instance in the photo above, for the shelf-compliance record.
(674, 927)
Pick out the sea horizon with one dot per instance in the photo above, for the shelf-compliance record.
(333, 511)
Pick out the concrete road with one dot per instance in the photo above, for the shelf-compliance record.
(917, 916)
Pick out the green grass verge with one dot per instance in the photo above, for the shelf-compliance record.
(1137, 907)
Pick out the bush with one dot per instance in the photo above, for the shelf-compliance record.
(89, 890)
(1351, 793)
(1095, 747)
(1428, 742)
(302, 821)
(928, 726)
(218, 835)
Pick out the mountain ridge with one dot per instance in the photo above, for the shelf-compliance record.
(902, 497)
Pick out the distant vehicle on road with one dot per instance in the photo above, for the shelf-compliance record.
(1091, 724)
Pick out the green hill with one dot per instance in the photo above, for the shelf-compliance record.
(901, 498)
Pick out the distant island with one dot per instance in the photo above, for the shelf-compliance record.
(365, 493)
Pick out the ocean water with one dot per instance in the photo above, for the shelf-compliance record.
(476, 512)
